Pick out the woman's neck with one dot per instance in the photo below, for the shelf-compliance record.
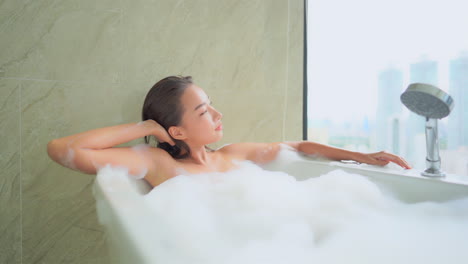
(199, 155)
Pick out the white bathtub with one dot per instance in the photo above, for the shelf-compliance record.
(119, 206)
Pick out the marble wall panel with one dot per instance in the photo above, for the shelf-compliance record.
(224, 45)
(10, 167)
(62, 40)
(294, 100)
(249, 116)
(57, 202)
(9, 9)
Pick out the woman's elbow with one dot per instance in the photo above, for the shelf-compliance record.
(52, 149)
(59, 153)
(293, 144)
(67, 157)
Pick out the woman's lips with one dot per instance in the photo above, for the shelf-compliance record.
(220, 127)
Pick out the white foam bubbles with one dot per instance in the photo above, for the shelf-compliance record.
(250, 215)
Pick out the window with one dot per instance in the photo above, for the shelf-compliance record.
(362, 54)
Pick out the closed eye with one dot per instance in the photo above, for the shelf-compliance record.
(211, 103)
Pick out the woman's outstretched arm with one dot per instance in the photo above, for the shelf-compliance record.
(379, 158)
(266, 152)
(90, 150)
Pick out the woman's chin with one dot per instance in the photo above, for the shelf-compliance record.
(220, 136)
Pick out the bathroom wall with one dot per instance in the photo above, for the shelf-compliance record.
(70, 66)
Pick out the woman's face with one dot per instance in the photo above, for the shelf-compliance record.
(201, 122)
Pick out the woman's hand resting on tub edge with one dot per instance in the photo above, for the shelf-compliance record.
(381, 158)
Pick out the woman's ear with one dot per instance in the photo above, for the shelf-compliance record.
(177, 133)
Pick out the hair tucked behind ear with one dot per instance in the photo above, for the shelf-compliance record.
(163, 105)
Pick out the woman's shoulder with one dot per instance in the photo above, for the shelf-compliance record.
(234, 150)
(246, 146)
(246, 149)
(256, 152)
(235, 147)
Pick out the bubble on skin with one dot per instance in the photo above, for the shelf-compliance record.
(98, 167)
(265, 154)
(284, 146)
(124, 169)
(274, 152)
(67, 160)
(181, 171)
(141, 175)
(142, 150)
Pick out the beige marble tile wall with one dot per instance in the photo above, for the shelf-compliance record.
(71, 66)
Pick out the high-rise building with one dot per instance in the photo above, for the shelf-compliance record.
(424, 71)
(390, 86)
(458, 89)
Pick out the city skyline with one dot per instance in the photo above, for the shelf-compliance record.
(349, 47)
(393, 130)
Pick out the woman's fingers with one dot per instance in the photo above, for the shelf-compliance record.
(164, 136)
(392, 158)
(169, 141)
(382, 162)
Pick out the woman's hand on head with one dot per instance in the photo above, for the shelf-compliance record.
(161, 133)
(382, 158)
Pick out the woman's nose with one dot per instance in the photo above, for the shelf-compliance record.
(217, 114)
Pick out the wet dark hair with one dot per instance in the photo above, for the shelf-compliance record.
(163, 105)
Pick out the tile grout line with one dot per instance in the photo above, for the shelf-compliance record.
(37, 80)
(46, 80)
(20, 174)
(122, 44)
(285, 105)
(28, 79)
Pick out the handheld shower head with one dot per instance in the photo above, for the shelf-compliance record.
(432, 103)
(427, 100)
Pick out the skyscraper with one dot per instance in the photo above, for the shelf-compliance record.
(458, 89)
(424, 71)
(390, 85)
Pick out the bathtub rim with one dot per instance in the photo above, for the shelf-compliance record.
(411, 173)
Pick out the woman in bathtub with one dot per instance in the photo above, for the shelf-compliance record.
(180, 116)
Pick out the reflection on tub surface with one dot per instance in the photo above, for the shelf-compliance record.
(251, 215)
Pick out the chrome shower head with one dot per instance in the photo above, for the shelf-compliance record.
(432, 103)
(427, 100)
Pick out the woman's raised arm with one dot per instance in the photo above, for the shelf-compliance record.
(90, 150)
